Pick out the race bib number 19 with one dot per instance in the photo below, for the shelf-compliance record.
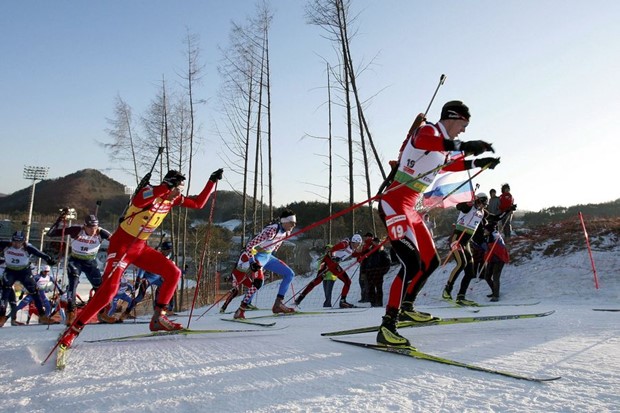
(396, 227)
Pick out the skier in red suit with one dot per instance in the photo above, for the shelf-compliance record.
(128, 245)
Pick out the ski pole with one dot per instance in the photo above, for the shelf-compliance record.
(204, 253)
(240, 284)
(213, 305)
(135, 239)
(144, 182)
(416, 124)
(355, 206)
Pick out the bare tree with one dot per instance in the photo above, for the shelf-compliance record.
(334, 18)
(123, 147)
(188, 132)
(245, 73)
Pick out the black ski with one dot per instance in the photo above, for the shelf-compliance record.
(417, 354)
(439, 322)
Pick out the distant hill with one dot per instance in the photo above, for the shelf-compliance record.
(80, 190)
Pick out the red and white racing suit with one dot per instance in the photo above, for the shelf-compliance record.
(423, 155)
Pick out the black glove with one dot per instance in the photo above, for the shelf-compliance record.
(258, 283)
(486, 162)
(513, 207)
(476, 147)
(145, 181)
(217, 175)
(51, 262)
(255, 266)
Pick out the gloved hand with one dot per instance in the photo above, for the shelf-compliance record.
(51, 262)
(217, 175)
(145, 180)
(491, 163)
(476, 147)
(255, 266)
(454, 245)
(513, 207)
(63, 213)
(258, 283)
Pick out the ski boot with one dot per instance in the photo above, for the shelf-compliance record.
(388, 334)
(408, 313)
(66, 340)
(446, 294)
(461, 300)
(159, 321)
(279, 307)
(70, 317)
(344, 304)
(240, 313)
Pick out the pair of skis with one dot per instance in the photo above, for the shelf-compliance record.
(413, 352)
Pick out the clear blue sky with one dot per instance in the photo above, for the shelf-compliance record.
(540, 78)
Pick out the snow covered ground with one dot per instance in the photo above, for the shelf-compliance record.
(291, 368)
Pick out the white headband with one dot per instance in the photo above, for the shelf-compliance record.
(290, 218)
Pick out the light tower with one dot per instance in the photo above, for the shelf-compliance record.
(33, 173)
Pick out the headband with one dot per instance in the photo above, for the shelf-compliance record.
(290, 218)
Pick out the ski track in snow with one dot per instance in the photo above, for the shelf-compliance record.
(297, 370)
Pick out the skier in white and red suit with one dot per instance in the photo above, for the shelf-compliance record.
(128, 245)
(422, 155)
(258, 254)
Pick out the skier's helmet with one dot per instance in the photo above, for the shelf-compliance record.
(356, 238)
(18, 236)
(91, 221)
(482, 197)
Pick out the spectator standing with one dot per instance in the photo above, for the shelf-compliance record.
(506, 205)
(328, 285)
(431, 225)
(493, 206)
(496, 255)
(377, 265)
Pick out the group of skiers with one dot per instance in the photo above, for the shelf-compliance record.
(427, 150)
